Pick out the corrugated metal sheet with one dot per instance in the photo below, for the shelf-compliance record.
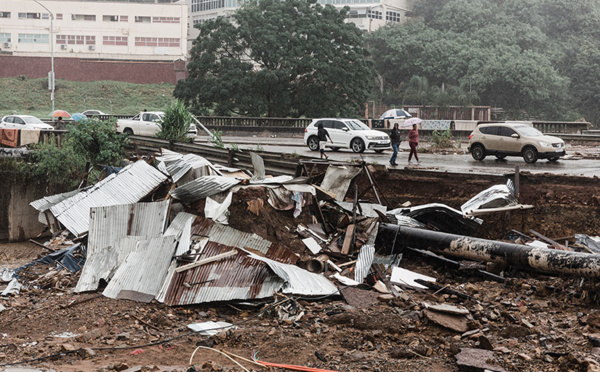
(368, 209)
(141, 276)
(108, 226)
(128, 186)
(181, 228)
(178, 165)
(236, 278)
(364, 262)
(246, 275)
(47, 202)
(202, 187)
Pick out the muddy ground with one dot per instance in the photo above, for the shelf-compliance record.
(531, 322)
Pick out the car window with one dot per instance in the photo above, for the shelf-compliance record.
(146, 117)
(339, 125)
(32, 120)
(505, 131)
(356, 125)
(327, 124)
(8, 119)
(528, 131)
(489, 130)
(19, 121)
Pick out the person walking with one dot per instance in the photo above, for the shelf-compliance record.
(323, 134)
(395, 137)
(413, 142)
(60, 124)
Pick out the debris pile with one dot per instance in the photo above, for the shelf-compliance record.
(170, 231)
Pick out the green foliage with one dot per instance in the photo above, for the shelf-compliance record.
(217, 139)
(97, 141)
(176, 123)
(441, 139)
(281, 58)
(530, 57)
(31, 96)
(59, 166)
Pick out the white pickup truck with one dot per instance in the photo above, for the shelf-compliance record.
(146, 124)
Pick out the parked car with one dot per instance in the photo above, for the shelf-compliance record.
(511, 139)
(146, 124)
(395, 114)
(348, 134)
(24, 122)
(90, 113)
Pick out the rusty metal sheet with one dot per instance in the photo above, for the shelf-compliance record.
(202, 187)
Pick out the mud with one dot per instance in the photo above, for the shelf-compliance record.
(533, 322)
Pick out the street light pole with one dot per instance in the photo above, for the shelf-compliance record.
(51, 77)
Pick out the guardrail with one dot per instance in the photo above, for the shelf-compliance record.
(275, 164)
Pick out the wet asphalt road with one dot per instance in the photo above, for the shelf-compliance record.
(454, 163)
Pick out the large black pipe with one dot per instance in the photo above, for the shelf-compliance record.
(541, 259)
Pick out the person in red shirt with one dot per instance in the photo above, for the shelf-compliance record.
(413, 142)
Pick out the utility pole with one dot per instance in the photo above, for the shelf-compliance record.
(51, 75)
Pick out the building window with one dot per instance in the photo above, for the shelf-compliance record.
(4, 14)
(83, 17)
(110, 18)
(165, 19)
(59, 16)
(45, 16)
(141, 19)
(75, 39)
(375, 14)
(392, 16)
(115, 40)
(124, 18)
(157, 42)
(33, 38)
(200, 5)
(4, 37)
(30, 15)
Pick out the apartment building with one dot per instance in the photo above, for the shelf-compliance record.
(367, 15)
(94, 40)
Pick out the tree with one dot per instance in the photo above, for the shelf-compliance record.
(280, 58)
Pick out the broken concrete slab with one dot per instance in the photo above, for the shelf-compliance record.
(446, 308)
(453, 322)
(478, 360)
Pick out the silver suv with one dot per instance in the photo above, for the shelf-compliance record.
(506, 139)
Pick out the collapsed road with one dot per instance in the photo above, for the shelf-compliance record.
(162, 264)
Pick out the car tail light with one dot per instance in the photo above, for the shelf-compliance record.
(470, 136)
(305, 130)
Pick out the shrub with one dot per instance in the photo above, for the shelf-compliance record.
(176, 123)
(442, 139)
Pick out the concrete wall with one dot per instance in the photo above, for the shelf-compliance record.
(23, 221)
(80, 69)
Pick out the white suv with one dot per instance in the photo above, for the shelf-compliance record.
(347, 133)
(509, 139)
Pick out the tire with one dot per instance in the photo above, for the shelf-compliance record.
(379, 151)
(357, 145)
(313, 143)
(554, 159)
(500, 157)
(478, 152)
(530, 155)
(128, 131)
(335, 149)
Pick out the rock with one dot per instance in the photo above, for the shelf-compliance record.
(449, 309)
(478, 360)
(525, 357)
(123, 336)
(515, 331)
(453, 322)
(484, 343)
(87, 353)
(120, 367)
(67, 347)
(502, 349)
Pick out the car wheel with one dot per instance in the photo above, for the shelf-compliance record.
(313, 143)
(128, 131)
(357, 145)
(478, 152)
(335, 148)
(379, 151)
(554, 159)
(530, 155)
(500, 157)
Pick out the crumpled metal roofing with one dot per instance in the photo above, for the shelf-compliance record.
(246, 275)
(141, 275)
(130, 185)
(47, 202)
(368, 209)
(179, 165)
(202, 187)
(108, 226)
(181, 228)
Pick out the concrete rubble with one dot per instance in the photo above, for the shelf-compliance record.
(167, 231)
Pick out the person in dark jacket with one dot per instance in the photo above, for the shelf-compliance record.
(60, 124)
(323, 134)
(395, 137)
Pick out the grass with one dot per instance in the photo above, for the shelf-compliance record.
(31, 96)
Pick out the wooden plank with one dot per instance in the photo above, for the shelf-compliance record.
(204, 261)
(348, 239)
